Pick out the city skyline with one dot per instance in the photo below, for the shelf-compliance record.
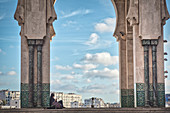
(84, 53)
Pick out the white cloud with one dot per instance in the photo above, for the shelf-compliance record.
(73, 73)
(105, 73)
(11, 73)
(78, 12)
(12, 68)
(101, 58)
(1, 51)
(93, 39)
(1, 73)
(108, 25)
(85, 66)
(88, 81)
(58, 67)
(54, 59)
(168, 67)
(56, 81)
(11, 46)
(68, 77)
(65, 87)
(68, 23)
(2, 16)
(96, 89)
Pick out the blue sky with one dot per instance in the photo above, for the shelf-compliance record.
(84, 54)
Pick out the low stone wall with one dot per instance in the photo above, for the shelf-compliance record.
(80, 110)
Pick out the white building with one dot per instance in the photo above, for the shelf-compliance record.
(6, 96)
(68, 98)
(167, 98)
(96, 102)
(74, 104)
(15, 103)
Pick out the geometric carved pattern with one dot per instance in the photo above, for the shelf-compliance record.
(161, 95)
(24, 95)
(161, 87)
(46, 98)
(151, 97)
(45, 95)
(24, 87)
(127, 97)
(140, 87)
(45, 87)
(140, 94)
(35, 94)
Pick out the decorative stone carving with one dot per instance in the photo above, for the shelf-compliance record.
(132, 16)
(147, 18)
(165, 13)
(150, 19)
(119, 6)
(34, 15)
(35, 18)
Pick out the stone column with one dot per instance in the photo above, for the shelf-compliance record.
(36, 19)
(129, 69)
(160, 72)
(146, 44)
(31, 44)
(39, 72)
(154, 44)
(122, 73)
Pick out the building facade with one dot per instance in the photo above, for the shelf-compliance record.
(95, 102)
(167, 99)
(10, 96)
(68, 98)
(75, 104)
(15, 103)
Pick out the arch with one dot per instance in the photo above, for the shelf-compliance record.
(120, 16)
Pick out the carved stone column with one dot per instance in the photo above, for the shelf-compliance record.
(39, 44)
(154, 44)
(31, 44)
(36, 19)
(146, 44)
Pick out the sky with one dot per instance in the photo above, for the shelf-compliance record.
(84, 53)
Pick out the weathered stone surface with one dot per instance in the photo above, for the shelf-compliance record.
(36, 19)
(137, 20)
(147, 19)
(150, 17)
(80, 110)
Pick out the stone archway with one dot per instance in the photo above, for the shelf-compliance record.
(140, 51)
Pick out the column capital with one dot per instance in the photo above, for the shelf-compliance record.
(154, 42)
(146, 42)
(39, 42)
(31, 42)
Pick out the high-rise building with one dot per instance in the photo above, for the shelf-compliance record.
(68, 98)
